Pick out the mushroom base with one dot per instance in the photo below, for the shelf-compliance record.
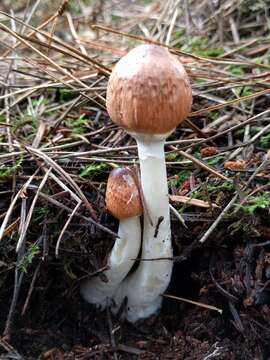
(135, 312)
(120, 261)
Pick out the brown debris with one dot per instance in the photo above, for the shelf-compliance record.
(235, 165)
(209, 151)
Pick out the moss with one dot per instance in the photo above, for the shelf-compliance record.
(7, 171)
(171, 156)
(265, 141)
(213, 115)
(78, 126)
(178, 179)
(254, 203)
(92, 169)
(199, 45)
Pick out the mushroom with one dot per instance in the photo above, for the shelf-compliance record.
(123, 202)
(148, 95)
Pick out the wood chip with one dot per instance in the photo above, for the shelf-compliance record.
(190, 201)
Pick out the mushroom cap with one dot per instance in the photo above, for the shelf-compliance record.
(149, 91)
(122, 194)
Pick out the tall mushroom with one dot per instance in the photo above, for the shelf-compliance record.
(123, 201)
(148, 95)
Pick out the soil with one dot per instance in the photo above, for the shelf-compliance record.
(230, 272)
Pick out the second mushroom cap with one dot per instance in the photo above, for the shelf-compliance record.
(122, 194)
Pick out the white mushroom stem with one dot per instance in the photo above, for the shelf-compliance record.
(144, 287)
(120, 261)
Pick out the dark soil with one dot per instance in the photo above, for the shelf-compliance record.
(59, 325)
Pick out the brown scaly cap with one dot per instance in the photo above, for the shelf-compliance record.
(122, 194)
(149, 91)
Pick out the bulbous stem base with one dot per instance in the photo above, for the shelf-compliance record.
(120, 261)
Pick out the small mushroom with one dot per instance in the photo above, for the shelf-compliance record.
(123, 202)
(148, 95)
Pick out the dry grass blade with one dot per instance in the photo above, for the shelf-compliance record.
(30, 90)
(87, 219)
(235, 127)
(201, 164)
(74, 33)
(41, 26)
(16, 197)
(23, 231)
(249, 142)
(174, 50)
(178, 215)
(65, 81)
(66, 73)
(5, 125)
(25, 306)
(64, 187)
(209, 307)
(22, 214)
(65, 175)
(65, 227)
(195, 202)
(11, 227)
(218, 219)
(230, 102)
(11, 352)
(74, 51)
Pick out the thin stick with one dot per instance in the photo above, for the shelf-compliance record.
(218, 219)
(87, 219)
(10, 209)
(209, 307)
(30, 212)
(65, 175)
(201, 164)
(25, 306)
(65, 227)
(18, 278)
(45, 23)
(179, 217)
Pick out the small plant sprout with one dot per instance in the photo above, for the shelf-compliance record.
(123, 202)
(148, 95)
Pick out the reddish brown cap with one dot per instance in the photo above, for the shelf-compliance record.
(122, 194)
(149, 91)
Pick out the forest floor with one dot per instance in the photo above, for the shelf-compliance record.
(58, 145)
